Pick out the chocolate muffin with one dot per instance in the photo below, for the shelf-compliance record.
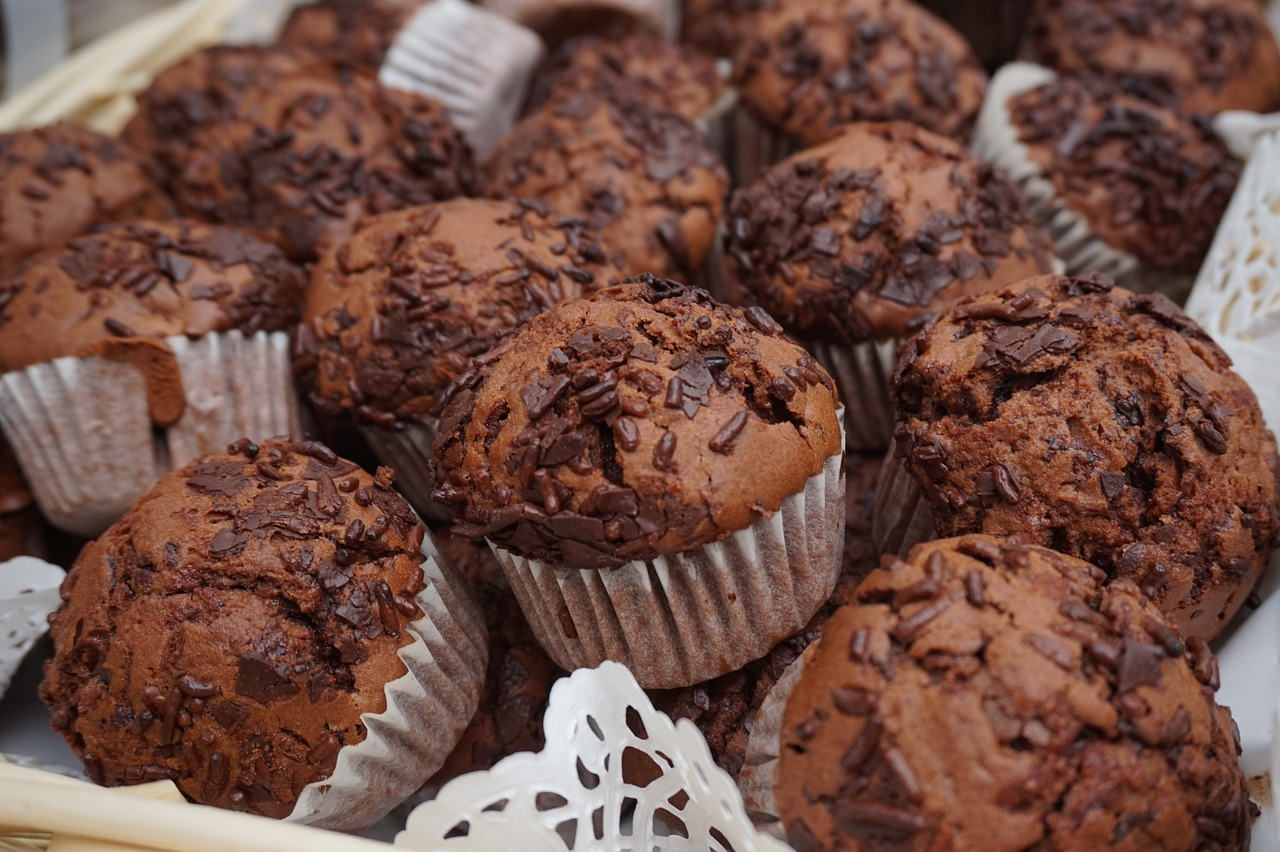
(20, 530)
(634, 66)
(1101, 423)
(808, 67)
(357, 33)
(715, 26)
(1198, 55)
(648, 182)
(620, 438)
(850, 244)
(395, 314)
(137, 348)
(144, 281)
(277, 140)
(311, 572)
(992, 694)
(993, 27)
(724, 709)
(57, 182)
(1125, 186)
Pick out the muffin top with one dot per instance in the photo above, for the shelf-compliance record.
(229, 631)
(1106, 425)
(648, 182)
(350, 32)
(714, 26)
(1200, 55)
(60, 181)
(988, 694)
(857, 238)
(809, 66)
(1149, 180)
(632, 424)
(147, 280)
(280, 141)
(636, 65)
(394, 315)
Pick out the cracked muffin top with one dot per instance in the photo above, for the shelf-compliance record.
(1200, 55)
(1105, 424)
(280, 141)
(648, 182)
(395, 313)
(632, 424)
(990, 694)
(859, 238)
(807, 67)
(59, 181)
(229, 631)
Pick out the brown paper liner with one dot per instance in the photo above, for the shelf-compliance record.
(749, 146)
(902, 517)
(684, 618)
(862, 372)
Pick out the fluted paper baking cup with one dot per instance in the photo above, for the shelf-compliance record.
(408, 452)
(683, 618)
(428, 707)
(996, 140)
(902, 516)
(764, 747)
(861, 372)
(82, 431)
(750, 146)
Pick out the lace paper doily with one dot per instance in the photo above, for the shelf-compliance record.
(28, 593)
(573, 794)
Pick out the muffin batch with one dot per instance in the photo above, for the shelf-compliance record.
(714, 325)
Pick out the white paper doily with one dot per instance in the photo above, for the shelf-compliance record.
(28, 593)
(573, 794)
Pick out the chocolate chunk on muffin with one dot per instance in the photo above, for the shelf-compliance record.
(633, 66)
(621, 439)
(395, 314)
(280, 141)
(58, 182)
(648, 182)
(144, 281)
(1199, 55)
(1102, 423)
(247, 621)
(992, 694)
(349, 32)
(850, 244)
(807, 68)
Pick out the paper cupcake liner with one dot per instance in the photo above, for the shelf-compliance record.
(28, 594)
(684, 618)
(902, 517)
(427, 709)
(82, 431)
(764, 747)
(408, 452)
(995, 139)
(473, 60)
(862, 374)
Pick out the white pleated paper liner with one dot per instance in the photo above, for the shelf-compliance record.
(408, 452)
(764, 747)
(28, 594)
(427, 709)
(996, 140)
(862, 373)
(901, 517)
(471, 59)
(82, 430)
(575, 794)
(749, 145)
(683, 618)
